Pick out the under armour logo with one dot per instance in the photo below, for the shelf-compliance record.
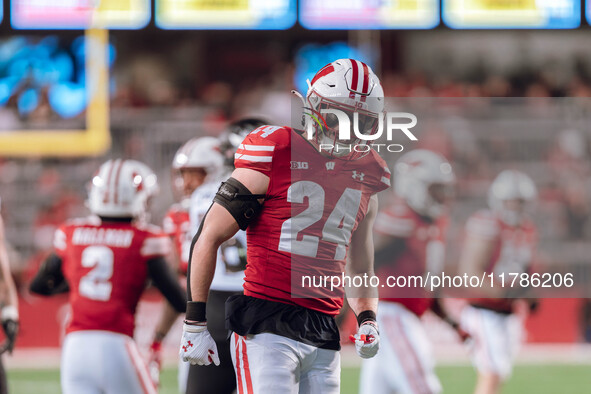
(330, 165)
(189, 344)
(358, 176)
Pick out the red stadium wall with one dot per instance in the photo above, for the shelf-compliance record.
(42, 320)
(557, 320)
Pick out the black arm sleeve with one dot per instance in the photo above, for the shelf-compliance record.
(193, 242)
(165, 280)
(239, 201)
(50, 278)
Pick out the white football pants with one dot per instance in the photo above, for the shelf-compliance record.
(270, 364)
(495, 339)
(102, 362)
(404, 364)
(183, 375)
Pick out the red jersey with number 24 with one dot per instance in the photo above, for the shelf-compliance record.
(105, 266)
(312, 206)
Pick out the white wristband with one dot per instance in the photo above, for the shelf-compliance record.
(9, 313)
(194, 328)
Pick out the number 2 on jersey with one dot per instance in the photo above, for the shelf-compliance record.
(95, 284)
(337, 228)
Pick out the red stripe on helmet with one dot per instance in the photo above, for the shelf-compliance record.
(354, 77)
(365, 87)
(323, 71)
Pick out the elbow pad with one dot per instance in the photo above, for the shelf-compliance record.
(239, 201)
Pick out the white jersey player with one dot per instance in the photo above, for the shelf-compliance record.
(229, 274)
(231, 258)
(197, 161)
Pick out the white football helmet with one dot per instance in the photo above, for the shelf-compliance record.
(352, 87)
(417, 176)
(122, 188)
(511, 185)
(203, 153)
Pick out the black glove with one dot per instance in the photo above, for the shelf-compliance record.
(10, 328)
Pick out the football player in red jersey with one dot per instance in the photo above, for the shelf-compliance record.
(306, 212)
(499, 240)
(9, 304)
(104, 261)
(195, 162)
(412, 242)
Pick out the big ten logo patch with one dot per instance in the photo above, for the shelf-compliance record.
(298, 165)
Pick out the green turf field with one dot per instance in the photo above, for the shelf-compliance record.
(544, 379)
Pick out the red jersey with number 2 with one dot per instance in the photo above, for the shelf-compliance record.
(105, 266)
(313, 205)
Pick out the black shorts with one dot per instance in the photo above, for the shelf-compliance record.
(250, 315)
(216, 314)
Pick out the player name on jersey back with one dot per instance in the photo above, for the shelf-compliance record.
(106, 266)
(100, 236)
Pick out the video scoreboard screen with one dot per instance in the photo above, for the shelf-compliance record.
(54, 95)
(512, 14)
(226, 14)
(369, 14)
(80, 14)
